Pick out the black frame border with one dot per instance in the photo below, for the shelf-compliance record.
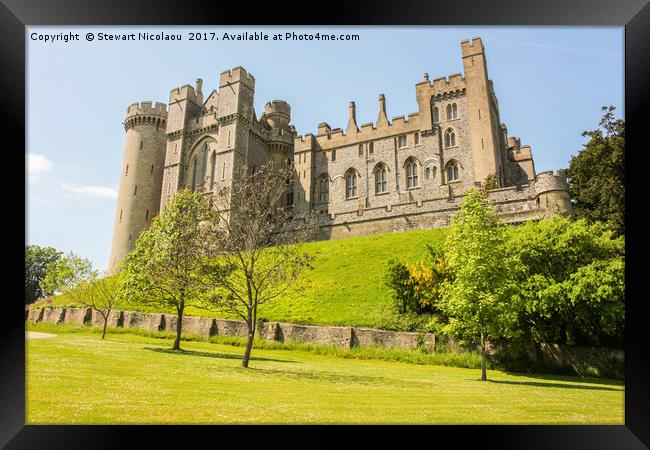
(634, 15)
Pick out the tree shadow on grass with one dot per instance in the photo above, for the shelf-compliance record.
(210, 354)
(327, 377)
(570, 378)
(555, 385)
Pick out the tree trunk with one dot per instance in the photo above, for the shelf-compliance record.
(104, 329)
(179, 327)
(483, 359)
(249, 341)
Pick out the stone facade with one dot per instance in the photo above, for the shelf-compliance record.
(408, 172)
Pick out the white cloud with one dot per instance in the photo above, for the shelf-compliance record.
(37, 165)
(93, 191)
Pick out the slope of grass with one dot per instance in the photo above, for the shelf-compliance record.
(345, 286)
(77, 378)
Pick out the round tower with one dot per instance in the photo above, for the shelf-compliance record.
(138, 199)
(278, 115)
(553, 193)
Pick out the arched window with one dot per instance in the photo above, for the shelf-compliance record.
(452, 171)
(436, 115)
(380, 179)
(427, 173)
(350, 184)
(360, 149)
(450, 138)
(371, 148)
(334, 155)
(411, 173)
(213, 169)
(452, 111)
(204, 163)
(195, 169)
(323, 189)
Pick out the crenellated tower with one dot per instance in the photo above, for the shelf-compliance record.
(138, 199)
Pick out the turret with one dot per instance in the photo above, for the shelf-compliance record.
(553, 193)
(138, 199)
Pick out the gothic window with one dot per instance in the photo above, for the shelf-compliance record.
(416, 138)
(350, 184)
(401, 141)
(323, 189)
(411, 173)
(334, 155)
(195, 169)
(450, 138)
(452, 111)
(452, 171)
(436, 115)
(380, 179)
(360, 149)
(371, 148)
(427, 173)
(204, 162)
(213, 168)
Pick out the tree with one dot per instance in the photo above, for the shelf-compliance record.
(597, 174)
(66, 273)
(101, 294)
(478, 300)
(37, 260)
(164, 267)
(258, 256)
(572, 283)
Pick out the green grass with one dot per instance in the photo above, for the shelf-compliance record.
(77, 378)
(346, 284)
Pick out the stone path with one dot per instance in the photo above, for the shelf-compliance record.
(37, 335)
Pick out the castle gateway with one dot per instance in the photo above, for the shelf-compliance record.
(405, 173)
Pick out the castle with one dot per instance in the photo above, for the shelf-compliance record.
(393, 175)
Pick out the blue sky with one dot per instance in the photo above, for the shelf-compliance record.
(550, 82)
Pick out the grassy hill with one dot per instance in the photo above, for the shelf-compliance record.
(345, 286)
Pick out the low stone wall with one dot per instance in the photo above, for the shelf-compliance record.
(310, 334)
(343, 337)
(369, 337)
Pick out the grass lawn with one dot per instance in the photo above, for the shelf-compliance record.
(76, 378)
(346, 284)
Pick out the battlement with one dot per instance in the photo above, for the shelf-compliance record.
(277, 107)
(471, 48)
(547, 181)
(185, 92)
(237, 75)
(149, 108)
(520, 153)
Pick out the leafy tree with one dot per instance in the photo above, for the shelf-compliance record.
(478, 300)
(597, 174)
(67, 273)
(258, 256)
(417, 286)
(164, 267)
(37, 260)
(101, 294)
(572, 281)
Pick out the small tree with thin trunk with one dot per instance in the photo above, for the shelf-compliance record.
(259, 255)
(163, 268)
(478, 300)
(101, 294)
